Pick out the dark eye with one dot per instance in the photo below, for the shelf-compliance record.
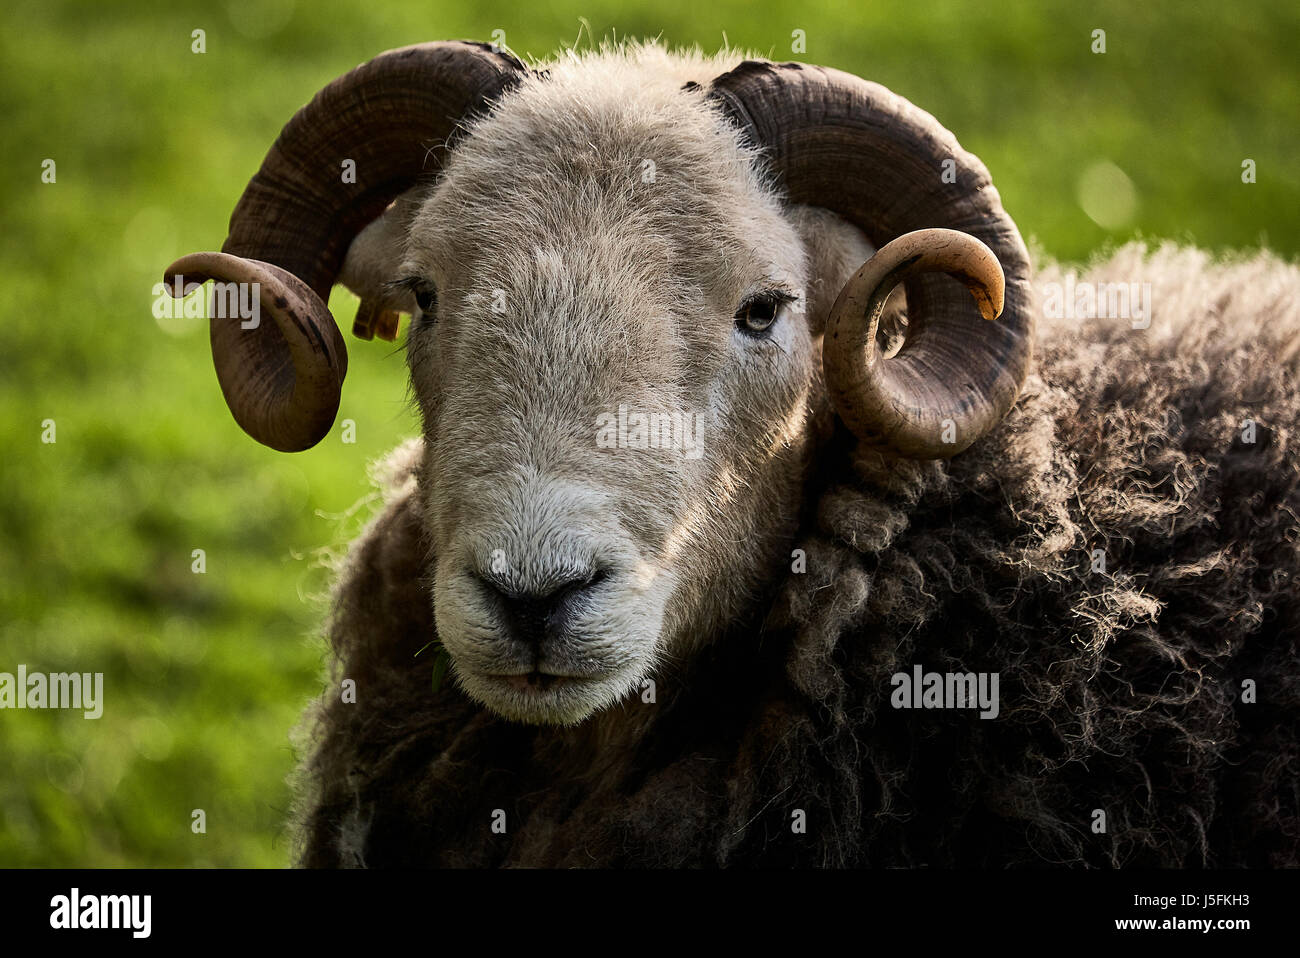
(758, 312)
(421, 290)
(426, 297)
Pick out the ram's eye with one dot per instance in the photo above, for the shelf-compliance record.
(421, 290)
(758, 312)
(426, 297)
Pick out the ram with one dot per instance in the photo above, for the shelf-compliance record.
(736, 645)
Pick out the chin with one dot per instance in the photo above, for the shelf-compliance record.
(547, 699)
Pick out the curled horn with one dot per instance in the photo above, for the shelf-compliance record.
(393, 118)
(836, 141)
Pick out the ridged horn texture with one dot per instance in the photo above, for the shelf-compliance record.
(840, 142)
(394, 117)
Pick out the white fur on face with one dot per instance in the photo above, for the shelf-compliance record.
(590, 243)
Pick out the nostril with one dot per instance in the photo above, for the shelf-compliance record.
(532, 614)
(529, 616)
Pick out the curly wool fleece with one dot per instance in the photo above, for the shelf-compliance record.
(1158, 698)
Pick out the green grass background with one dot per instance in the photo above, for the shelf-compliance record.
(205, 674)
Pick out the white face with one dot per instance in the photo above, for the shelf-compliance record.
(576, 300)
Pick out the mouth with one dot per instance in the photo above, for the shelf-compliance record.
(544, 694)
(537, 682)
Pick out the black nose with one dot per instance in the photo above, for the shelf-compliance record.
(531, 615)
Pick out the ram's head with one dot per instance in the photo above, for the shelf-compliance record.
(637, 304)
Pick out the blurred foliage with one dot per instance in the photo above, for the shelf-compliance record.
(205, 674)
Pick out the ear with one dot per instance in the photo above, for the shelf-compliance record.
(371, 263)
(835, 249)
